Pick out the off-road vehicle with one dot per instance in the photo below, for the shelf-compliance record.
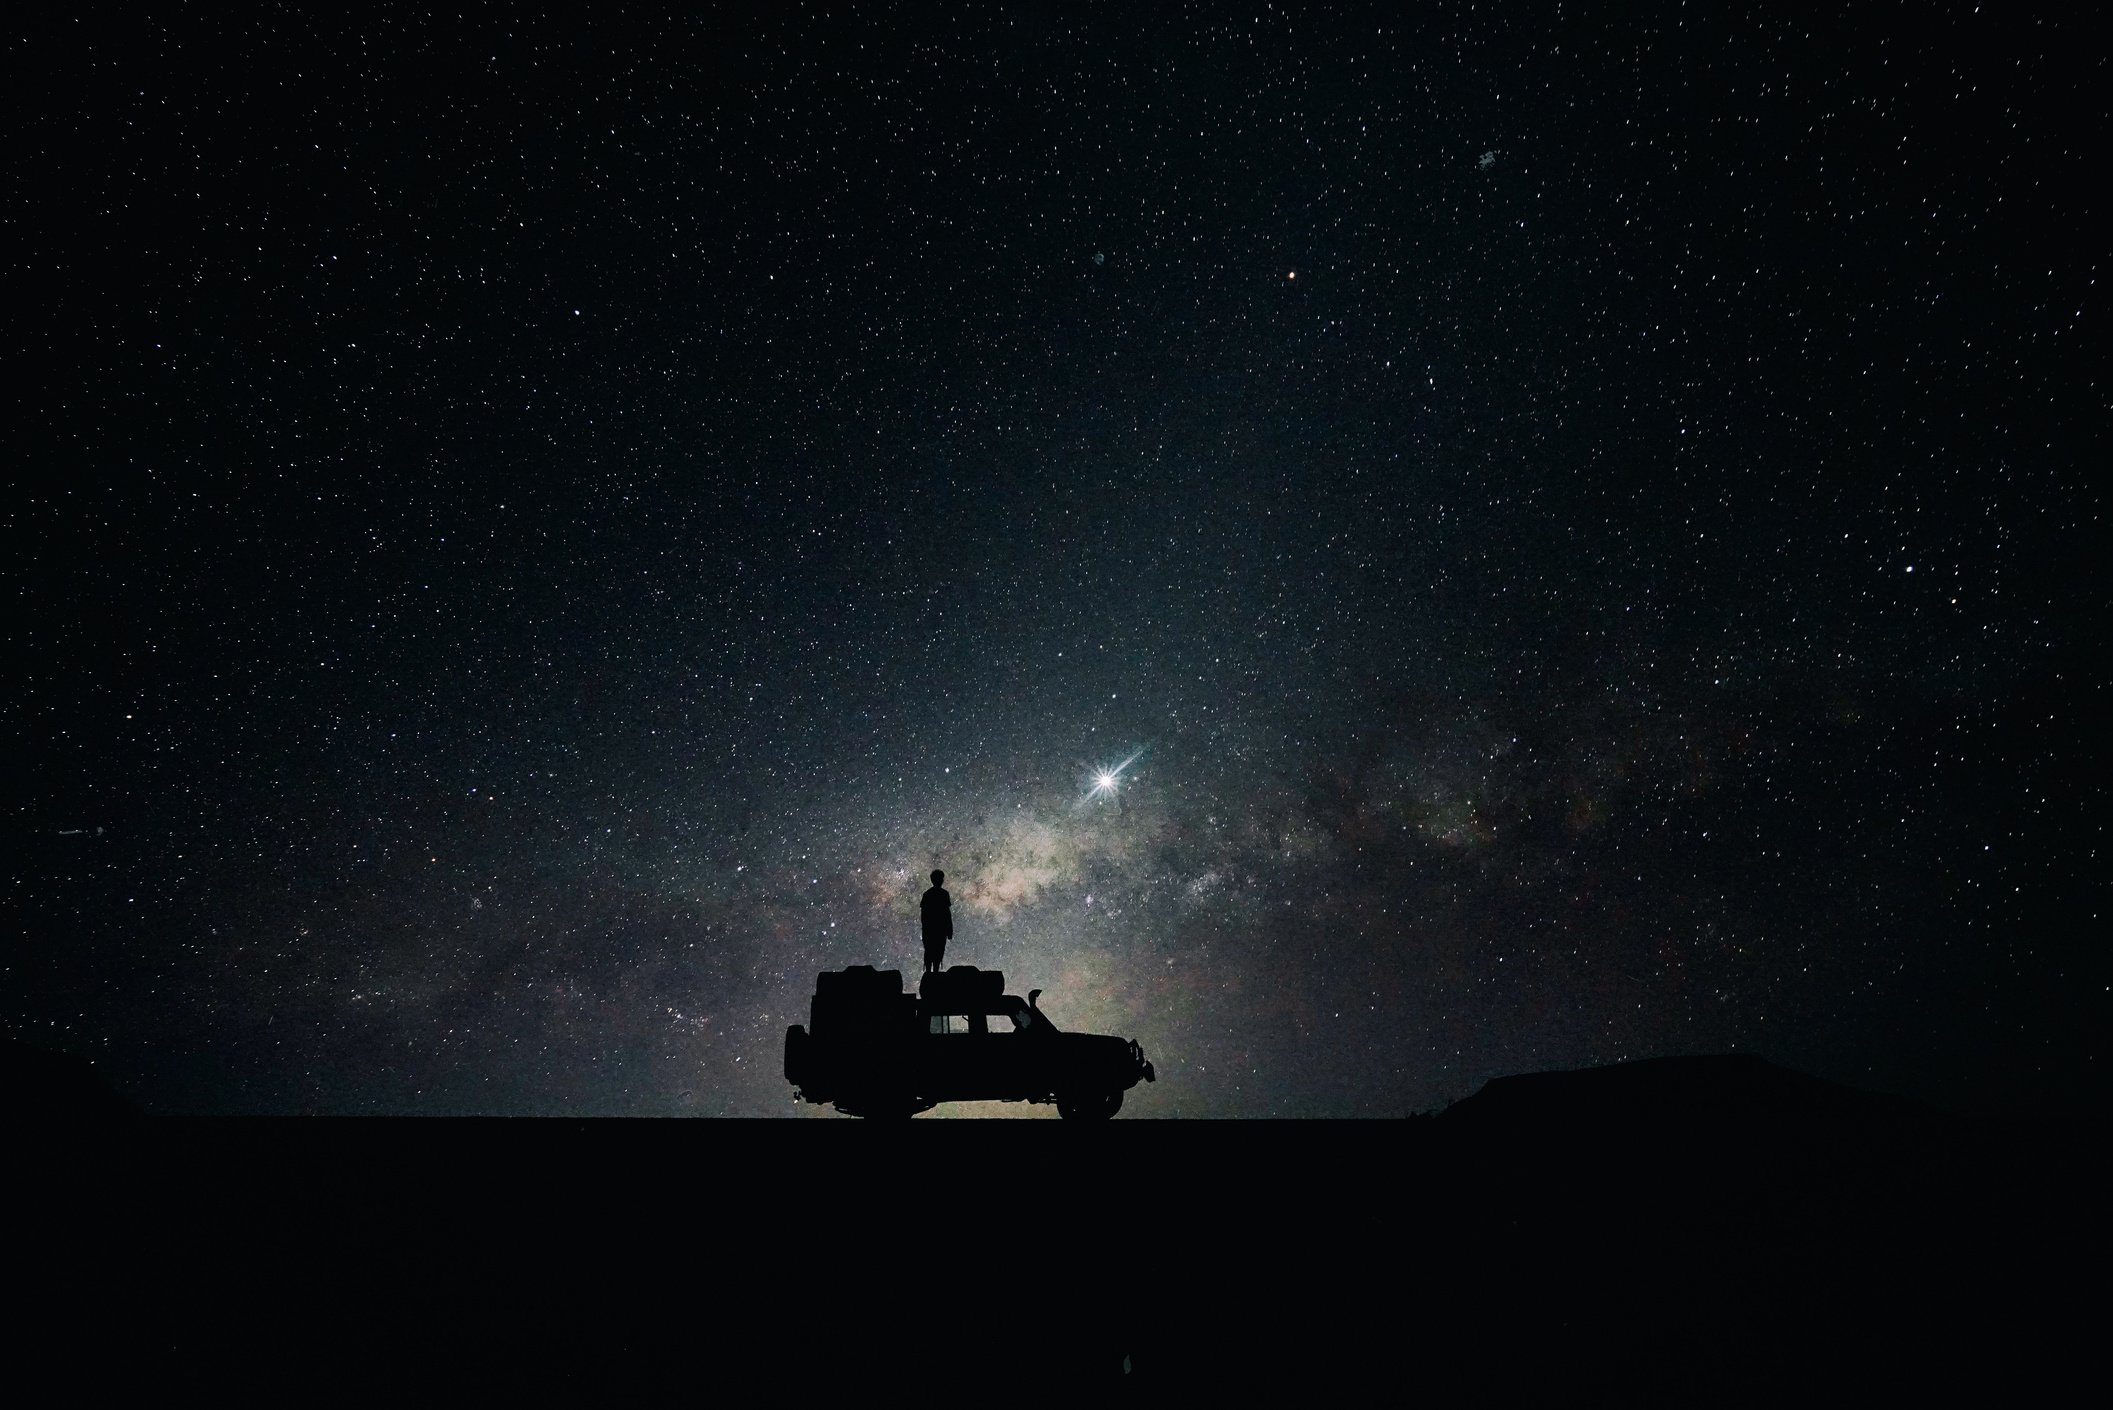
(869, 1049)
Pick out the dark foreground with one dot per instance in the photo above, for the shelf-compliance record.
(1839, 1257)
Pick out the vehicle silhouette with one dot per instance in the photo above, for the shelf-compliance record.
(869, 1049)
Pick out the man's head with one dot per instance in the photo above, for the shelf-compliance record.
(938, 878)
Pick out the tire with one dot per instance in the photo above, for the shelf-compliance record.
(1093, 1106)
(796, 1055)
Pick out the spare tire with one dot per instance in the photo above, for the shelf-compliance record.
(796, 1046)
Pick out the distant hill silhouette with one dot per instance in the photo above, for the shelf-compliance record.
(45, 1087)
(1724, 1088)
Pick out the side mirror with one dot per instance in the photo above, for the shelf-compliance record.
(1032, 995)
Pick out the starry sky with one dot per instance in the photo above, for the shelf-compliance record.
(528, 537)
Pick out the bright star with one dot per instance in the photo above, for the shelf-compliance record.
(1105, 780)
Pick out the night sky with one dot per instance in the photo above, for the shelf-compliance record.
(527, 538)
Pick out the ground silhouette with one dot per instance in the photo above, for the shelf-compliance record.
(1572, 1235)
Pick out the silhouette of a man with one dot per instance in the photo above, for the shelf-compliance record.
(937, 909)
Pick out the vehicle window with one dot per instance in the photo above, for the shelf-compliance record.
(949, 1023)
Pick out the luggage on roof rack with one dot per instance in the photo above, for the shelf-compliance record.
(859, 981)
(860, 1000)
(963, 984)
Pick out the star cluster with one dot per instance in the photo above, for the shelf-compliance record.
(1376, 550)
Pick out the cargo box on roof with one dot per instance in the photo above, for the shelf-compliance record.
(972, 988)
(861, 981)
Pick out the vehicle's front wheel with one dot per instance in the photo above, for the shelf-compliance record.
(1089, 1106)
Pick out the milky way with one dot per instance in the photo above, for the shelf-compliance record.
(1568, 535)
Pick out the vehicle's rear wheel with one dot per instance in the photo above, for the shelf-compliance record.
(1089, 1106)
